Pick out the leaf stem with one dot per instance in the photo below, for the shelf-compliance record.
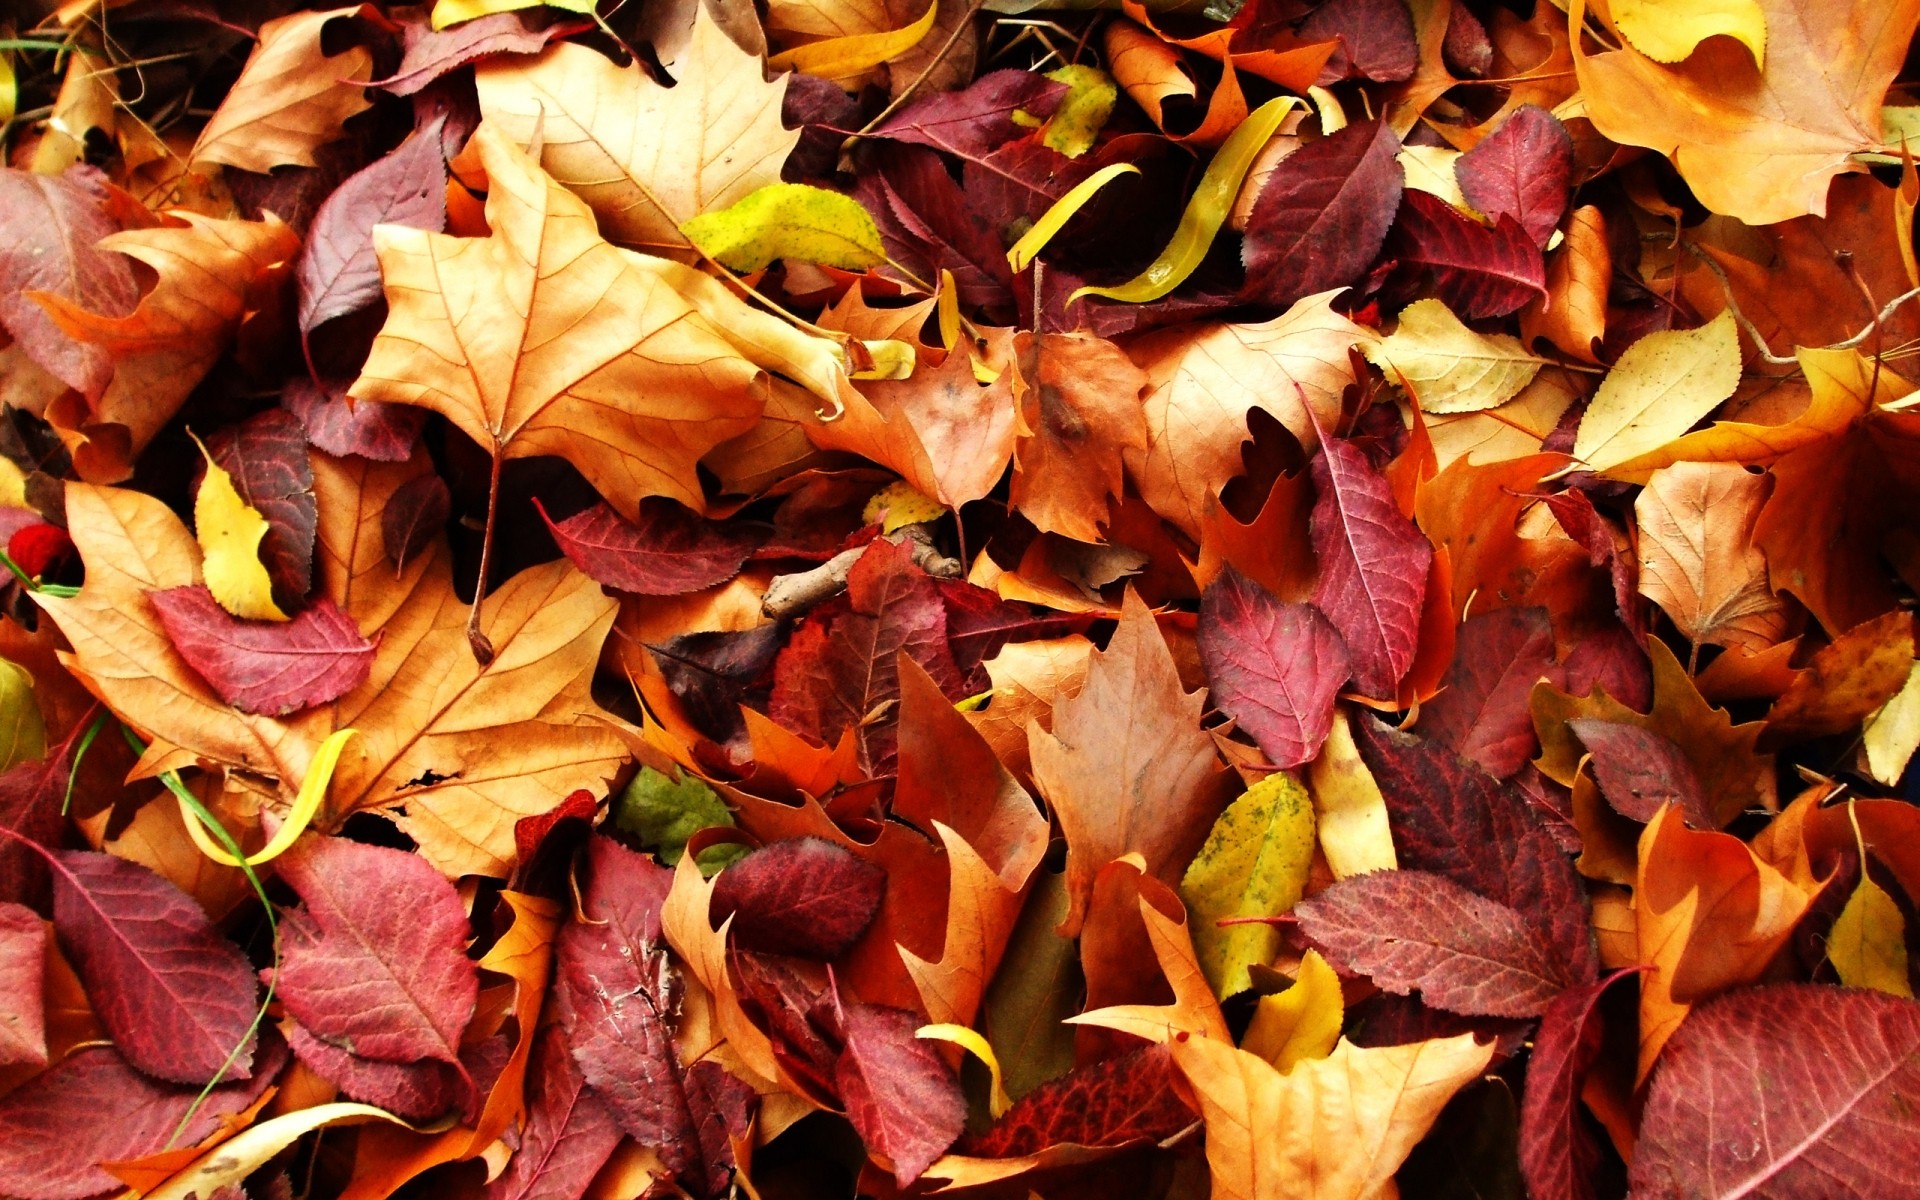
(482, 648)
(906, 93)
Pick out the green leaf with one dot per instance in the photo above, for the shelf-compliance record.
(1254, 864)
(1205, 213)
(663, 813)
(1083, 112)
(792, 221)
(23, 735)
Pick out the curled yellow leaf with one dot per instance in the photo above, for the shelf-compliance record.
(792, 221)
(845, 58)
(229, 531)
(1035, 239)
(977, 1046)
(313, 789)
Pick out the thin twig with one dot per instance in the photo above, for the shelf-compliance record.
(906, 94)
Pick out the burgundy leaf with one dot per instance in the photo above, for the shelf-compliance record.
(23, 950)
(980, 623)
(267, 457)
(434, 54)
(177, 997)
(1373, 567)
(270, 667)
(415, 514)
(358, 968)
(1614, 661)
(1323, 214)
(1639, 771)
(529, 833)
(1483, 711)
(417, 1091)
(710, 673)
(1114, 1102)
(1523, 170)
(94, 1107)
(1416, 931)
(1376, 40)
(903, 1101)
(723, 1113)
(805, 897)
(337, 271)
(31, 794)
(54, 224)
(977, 119)
(1453, 819)
(838, 671)
(1785, 1091)
(1467, 50)
(1388, 1019)
(1476, 270)
(1275, 668)
(569, 1132)
(928, 223)
(822, 113)
(670, 551)
(1558, 1153)
(370, 428)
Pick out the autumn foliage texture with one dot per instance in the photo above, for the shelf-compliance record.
(1304, 600)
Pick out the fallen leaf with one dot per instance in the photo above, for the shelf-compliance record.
(61, 220)
(1482, 709)
(1846, 681)
(1668, 33)
(1322, 214)
(1349, 811)
(272, 669)
(1704, 570)
(1868, 942)
(903, 1101)
(1893, 732)
(1253, 864)
(1475, 270)
(1275, 668)
(1523, 169)
(1373, 567)
(23, 1018)
(1300, 1023)
(338, 272)
(1079, 416)
(1446, 367)
(791, 221)
(569, 1134)
(805, 897)
(667, 552)
(1656, 391)
(290, 99)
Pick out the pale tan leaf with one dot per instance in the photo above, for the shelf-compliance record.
(290, 99)
(1662, 384)
(1697, 557)
(1448, 368)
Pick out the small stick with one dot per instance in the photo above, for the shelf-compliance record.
(791, 595)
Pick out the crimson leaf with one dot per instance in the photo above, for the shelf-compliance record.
(1639, 771)
(1478, 271)
(1523, 170)
(337, 271)
(1131, 1097)
(23, 949)
(267, 457)
(1275, 668)
(266, 667)
(55, 223)
(670, 551)
(370, 428)
(569, 1132)
(805, 897)
(432, 55)
(1373, 567)
(1322, 215)
(1482, 710)
(1558, 1154)
(903, 1101)
(979, 117)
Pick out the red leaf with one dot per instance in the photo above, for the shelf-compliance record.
(177, 997)
(1788, 1090)
(1114, 1102)
(1376, 40)
(414, 1090)
(569, 1132)
(370, 428)
(1639, 771)
(902, 1100)
(1416, 931)
(928, 223)
(1275, 668)
(805, 897)
(669, 552)
(337, 271)
(432, 55)
(1322, 215)
(38, 546)
(387, 980)
(267, 457)
(1477, 271)
(54, 224)
(1523, 170)
(1558, 1154)
(94, 1108)
(1482, 711)
(266, 667)
(978, 118)
(529, 832)
(415, 514)
(23, 949)
(710, 673)
(1373, 567)
(30, 797)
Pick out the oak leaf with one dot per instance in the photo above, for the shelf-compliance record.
(291, 97)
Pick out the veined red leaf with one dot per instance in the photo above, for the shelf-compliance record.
(1558, 1154)
(337, 271)
(370, 428)
(56, 223)
(1639, 771)
(1477, 270)
(1482, 709)
(441, 51)
(1275, 668)
(267, 457)
(671, 550)
(1523, 170)
(23, 951)
(31, 794)
(978, 118)
(805, 897)
(569, 1134)
(1373, 567)
(266, 667)
(1322, 214)
(903, 1101)
(1114, 1102)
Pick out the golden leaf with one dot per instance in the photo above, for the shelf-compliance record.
(1697, 557)
(290, 99)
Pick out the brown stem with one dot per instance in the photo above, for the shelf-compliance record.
(482, 648)
(906, 94)
(791, 595)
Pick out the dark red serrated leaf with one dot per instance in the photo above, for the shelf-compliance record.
(1323, 214)
(1467, 50)
(23, 950)
(569, 1134)
(177, 997)
(806, 897)
(1523, 170)
(93, 1107)
(670, 551)
(1639, 770)
(270, 667)
(1373, 567)
(1476, 270)
(436, 53)
(902, 1100)
(370, 428)
(337, 272)
(1785, 1091)
(415, 514)
(1558, 1153)
(31, 794)
(54, 224)
(1482, 710)
(387, 980)
(1416, 931)
(838, 672)
(417, 1091)
(267, 457)
(710, 673)
(1376, 40)
(1117, 1101)
(929, 224)
(978, 118)
(1275, 668)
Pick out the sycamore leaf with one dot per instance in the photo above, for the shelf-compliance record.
(1667, 31)
(1656, 391)
(792, 221)
(1448, 368)
(1300, 1023)
(291, 97)
(1254, 864)
(644, 156)
(230, 532)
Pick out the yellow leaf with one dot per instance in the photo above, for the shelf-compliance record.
(452, 12)
(1300, 1023)
(1664, 383)
(792, 221)
(229, 530)
(998, 1102)
(1868, 944)
(244, 1153)
(1668, 30)
(1430, 169)
(898, 505)
(23, 733)
(1448, 368)
(1205, 212)
(1254, 864)
(313, 789)
(1036, 238)
(13, 485)
(1352, 813)
(1893, 733)
(1082, 112)
(845, 59)
(9, 88)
